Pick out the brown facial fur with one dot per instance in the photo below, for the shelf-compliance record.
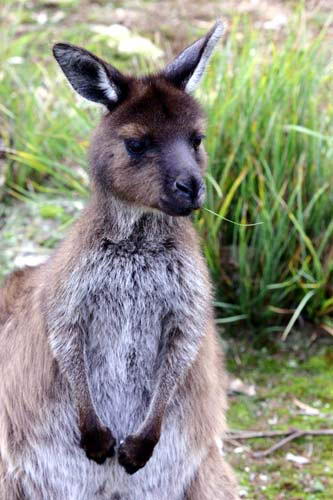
(157, 110)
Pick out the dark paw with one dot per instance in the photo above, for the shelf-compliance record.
(135, 452)
(98, 443)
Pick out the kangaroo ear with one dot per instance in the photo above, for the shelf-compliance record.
(189, 66)
(91, 77)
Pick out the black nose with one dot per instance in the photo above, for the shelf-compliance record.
(184, 187)
(188, 187)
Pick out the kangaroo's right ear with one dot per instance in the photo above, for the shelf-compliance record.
(90, 76)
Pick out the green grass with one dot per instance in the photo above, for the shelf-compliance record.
(44, 125)
(270, 142)
(269, 139)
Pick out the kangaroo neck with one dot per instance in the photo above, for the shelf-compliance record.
(119, 220)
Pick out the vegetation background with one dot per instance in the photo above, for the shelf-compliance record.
(270, 121)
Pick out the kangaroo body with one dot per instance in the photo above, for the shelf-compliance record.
(116, 328)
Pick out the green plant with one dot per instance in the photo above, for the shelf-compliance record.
(44, 126)
(270, 145)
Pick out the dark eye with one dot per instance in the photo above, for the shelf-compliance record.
(196, 140)
(136, 147)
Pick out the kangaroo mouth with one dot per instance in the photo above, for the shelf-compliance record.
(177, 209)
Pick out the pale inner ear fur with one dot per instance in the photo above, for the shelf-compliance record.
(106, 86)
(195, 79)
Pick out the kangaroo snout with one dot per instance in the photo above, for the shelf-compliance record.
(183, 168)
(183, 194)
(189, 189)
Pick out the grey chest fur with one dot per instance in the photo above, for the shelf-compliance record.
(131, 288)
(125, 295)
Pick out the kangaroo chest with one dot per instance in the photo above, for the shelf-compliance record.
(132, 287)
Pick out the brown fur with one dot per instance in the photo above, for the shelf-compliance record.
(14, 287)
(210, 484)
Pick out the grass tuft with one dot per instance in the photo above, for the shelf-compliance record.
(270, 144)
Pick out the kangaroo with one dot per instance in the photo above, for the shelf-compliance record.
(111, 376)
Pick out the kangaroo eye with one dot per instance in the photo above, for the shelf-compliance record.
(196, 140)
(136, 147)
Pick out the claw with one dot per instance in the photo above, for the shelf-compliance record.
(98, 444)
(135, 452)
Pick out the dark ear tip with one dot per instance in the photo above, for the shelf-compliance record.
(58, 48)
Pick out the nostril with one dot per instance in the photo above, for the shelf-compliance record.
(184, 188)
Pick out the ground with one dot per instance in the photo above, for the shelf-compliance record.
(285, 381)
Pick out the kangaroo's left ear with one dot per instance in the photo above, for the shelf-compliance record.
(187, 69)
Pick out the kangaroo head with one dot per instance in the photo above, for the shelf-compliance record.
(147, 149)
